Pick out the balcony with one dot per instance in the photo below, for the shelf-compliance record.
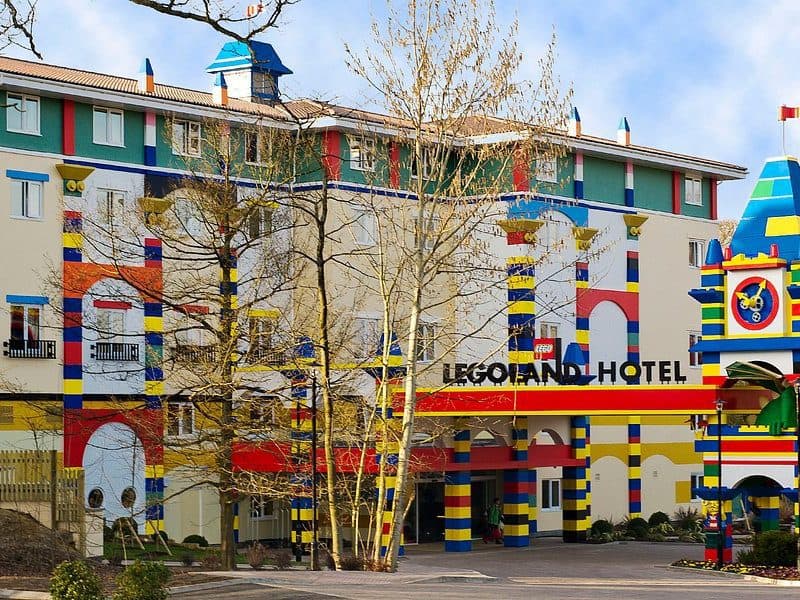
(30, 348)
(267, 356)
(185, 353)
(115, 351)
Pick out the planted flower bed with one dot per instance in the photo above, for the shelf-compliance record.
(788, 573)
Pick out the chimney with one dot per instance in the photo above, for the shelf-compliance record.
(220, 92)
(574, 124)
(252, 70)
(624, 132)
(145, 82)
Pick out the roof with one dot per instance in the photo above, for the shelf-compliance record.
(237, 55)
(314, 109)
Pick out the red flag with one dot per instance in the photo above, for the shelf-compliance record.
(788, 112)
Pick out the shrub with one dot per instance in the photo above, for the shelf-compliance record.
(142, 581)
(746, 557)
(187, 559)
(108, 534)
(196, 539)
(75, 580)
(662, 529)
(282, 559)
(352, 563)
(657, 518)
(637, 528)
(687, 519)
(163, 535)
(327, 558)
(256, 555)
(775, 549)
(600, 527)
(212, 560)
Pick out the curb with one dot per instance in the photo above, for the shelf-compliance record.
(208, 585)
(453, 579)
(743, 576)
(24, 595)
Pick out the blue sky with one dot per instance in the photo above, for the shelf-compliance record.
(702, 77)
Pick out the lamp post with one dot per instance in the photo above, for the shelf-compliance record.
(720, 527)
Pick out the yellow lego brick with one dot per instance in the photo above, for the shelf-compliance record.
(517, 530)
(154, 471)
(515, 509)
(457, 512)
(73, 240)
(785, 225)
(582, 336)
(634, 472)
(683, 492)
(520, 357)
(152, 527)
(154, 388)
(264, 313)
(520, 282)
(521, 307)
(460, 490)
(519, 260)
(154, 324)
(632, 286)
(457, 535)
(73, 386)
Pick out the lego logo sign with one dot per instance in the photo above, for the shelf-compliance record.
(544, 349)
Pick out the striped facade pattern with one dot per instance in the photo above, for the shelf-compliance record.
(712, 280)
(521, 313)
(632, 287)
(582, 322)
(634, 467)
(629, 198)
(578, 176)
(73, 315)
(387, 444)
(150, 138)
(515, 492)
(301, 505)
(575, 503)
(533, 502)
(458, 495)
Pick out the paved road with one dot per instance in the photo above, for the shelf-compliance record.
(548, 570)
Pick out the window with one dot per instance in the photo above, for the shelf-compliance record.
(427, 162)
(547, 170)
(186, 138)
(694, 190)
(548, 330)
(256, 148)
(189, 222)
(262, 410)
(362, 154)
(431, 227)
(180, 418)
(189, 332)
(696, 253)
(110, 324)
(260, 222)
(107, 127)
(365, 227)
(111, 204)
(551, 494)
(426, 342)
(261, 331)
(26, 323)
(695, 358)
(697, 481)
(26, 199)
(22, 114)
(367, 336)
(262, 507)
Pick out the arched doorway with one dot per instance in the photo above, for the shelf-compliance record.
(114, 468)
(759, 499)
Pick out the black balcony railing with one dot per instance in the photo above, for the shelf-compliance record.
(194, 353)
(267, 356)
(30, 348)
(115, 351)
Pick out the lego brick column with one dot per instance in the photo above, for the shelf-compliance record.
(582, 322)
(73, 313)
(515, 491)
(629, 183)
(712, 281)
(301, 505)
(458, 495)
(150, 138)
(588, 452)
(574, 483)
(632, 287)
(521, 314)
(387, 444)
(533, 502)
(578, 176)
(634, 467)
(770, 512)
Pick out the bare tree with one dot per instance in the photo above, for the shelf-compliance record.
(726, 228)
(17, 18)
(445, 71)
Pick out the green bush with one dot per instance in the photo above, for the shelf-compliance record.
(657, 518)
(352, 563)
(600, 527)
(196, 539)
(75, 580)
(775, 549)
(142, 581)
(637, 528)
(687, 519)
(745, 557)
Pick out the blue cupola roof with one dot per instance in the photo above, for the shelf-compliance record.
(772, 215)
(236, 56)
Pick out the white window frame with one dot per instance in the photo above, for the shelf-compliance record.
(695, 358)
(426, 163)
(187, 217)
(553, 503)
(547, 170)
(693, 190)
(261, 334)
(426, 342)
(189, 332)
(365, 224)
(698, 248)
(184, 145)
(25, 113)
(22, 199)
(260, 141)
(262, 409)
(363, 155)
(548, 329)
(107, 201)
(111, 324)
(257, 506)
(695, 481)
(106, 139)
(26, 322)
(180, 409)
(260, 223)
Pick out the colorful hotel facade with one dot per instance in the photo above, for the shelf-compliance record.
(632, 226)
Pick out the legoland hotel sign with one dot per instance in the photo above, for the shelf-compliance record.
(552, 368)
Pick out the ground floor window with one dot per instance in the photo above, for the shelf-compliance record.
(696, 482)
(550, 494)
(262, 507)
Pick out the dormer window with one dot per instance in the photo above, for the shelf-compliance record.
(186, 138)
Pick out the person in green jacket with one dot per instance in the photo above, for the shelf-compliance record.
(494, 515)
